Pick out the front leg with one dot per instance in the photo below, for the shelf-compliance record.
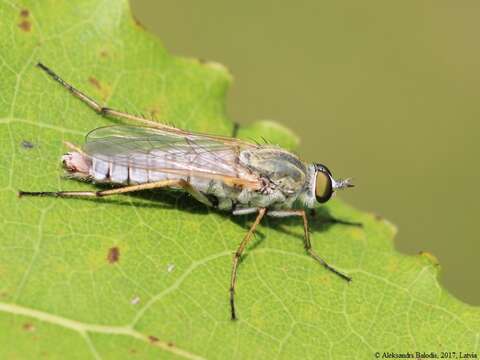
(308, 245)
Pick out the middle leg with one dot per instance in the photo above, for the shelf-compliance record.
(238, 254)
(308, 244)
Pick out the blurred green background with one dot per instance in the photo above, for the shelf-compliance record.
(386, 92)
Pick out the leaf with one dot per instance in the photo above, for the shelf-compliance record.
(273, 133)
(148, 274)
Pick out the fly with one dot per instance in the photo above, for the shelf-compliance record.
(221, 172)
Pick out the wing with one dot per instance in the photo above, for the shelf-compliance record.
(181, 153)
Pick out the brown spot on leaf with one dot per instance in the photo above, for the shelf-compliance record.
(25, 25)
(28, 327)
(138, 23)
(95, 82)
(113, 255)
(170, 344)
(430, 257)
(103, 88)
(103, 54)
(378, 217)
(153, 339)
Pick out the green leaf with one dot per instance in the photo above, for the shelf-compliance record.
(148, 274)
(273, 133)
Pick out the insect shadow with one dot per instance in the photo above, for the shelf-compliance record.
(320, 219)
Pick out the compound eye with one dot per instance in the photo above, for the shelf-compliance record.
(323, 187)
(323, 168)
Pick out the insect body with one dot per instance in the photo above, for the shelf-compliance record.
(221, 172)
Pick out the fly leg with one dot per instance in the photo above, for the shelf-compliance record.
(122, 190)
(102, 110)
(108, 112)
(238, 254)
(308, 245)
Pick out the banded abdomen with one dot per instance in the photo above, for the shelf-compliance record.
(132, 168)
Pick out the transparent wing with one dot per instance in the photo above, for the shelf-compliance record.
(181, 153)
